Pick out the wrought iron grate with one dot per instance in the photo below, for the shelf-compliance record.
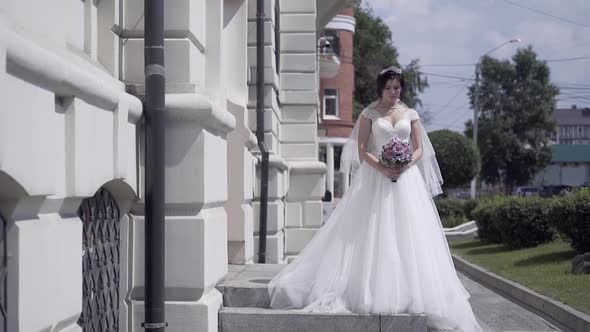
(100, 217)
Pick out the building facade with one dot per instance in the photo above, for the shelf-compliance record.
(336, 97)
(572, 125)
(570, 161)
(72, 145)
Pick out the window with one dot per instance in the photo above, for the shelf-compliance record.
(332, 37)
(330, 103)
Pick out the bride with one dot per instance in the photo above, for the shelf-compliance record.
(383, 249)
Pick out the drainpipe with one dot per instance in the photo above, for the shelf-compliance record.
(260, 16)
(155, 78)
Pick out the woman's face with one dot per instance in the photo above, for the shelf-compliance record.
(391, 91)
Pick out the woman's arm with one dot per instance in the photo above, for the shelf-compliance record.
(363, 141)
(416, 137)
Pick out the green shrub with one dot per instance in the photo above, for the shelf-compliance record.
(571, 217)
(449, 207)
(453, 221)
(484, 215)
(451, 212)
(468, 207)
(523, 222)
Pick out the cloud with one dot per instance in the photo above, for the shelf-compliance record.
(551, 36)
(459, 32)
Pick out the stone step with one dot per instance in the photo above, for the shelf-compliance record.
(246, 285)
(232, 319)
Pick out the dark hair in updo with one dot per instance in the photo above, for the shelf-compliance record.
(390, 75)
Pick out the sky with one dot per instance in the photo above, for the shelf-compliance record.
(449, 36)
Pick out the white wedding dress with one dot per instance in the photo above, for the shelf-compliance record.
(382, 251)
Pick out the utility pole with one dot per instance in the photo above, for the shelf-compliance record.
(475, 122)
(477, 106)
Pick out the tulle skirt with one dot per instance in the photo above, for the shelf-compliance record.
(382, 251)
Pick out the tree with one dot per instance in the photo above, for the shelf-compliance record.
(373, 49)
(457, 157)
(516, 119)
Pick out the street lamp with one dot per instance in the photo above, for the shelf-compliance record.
(476, 102)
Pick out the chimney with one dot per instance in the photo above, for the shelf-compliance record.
(574, 106)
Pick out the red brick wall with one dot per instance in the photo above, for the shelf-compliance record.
(344, 82)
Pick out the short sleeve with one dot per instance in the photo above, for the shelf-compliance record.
(370, 113)
(412, 115)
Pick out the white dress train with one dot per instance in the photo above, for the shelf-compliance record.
(382, 250)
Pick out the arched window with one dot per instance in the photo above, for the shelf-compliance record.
(100, 217)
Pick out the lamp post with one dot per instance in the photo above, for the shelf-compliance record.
(477, 106)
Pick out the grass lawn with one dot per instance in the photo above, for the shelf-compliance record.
(545, 269)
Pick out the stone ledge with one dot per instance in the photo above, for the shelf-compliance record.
(562, 315)
(274, 161)
(307, 167)
(65, 74)
(200, 110)
(261, 320)
(168, 34)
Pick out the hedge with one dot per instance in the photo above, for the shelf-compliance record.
(523, 222)
(571, 217)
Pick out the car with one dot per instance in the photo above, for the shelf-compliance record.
(554, 190)
(526, 191)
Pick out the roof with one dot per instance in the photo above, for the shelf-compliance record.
(572, 116)
(570, 153)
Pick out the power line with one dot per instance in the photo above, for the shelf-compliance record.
(473, 64)
(450, 101)
(568, 59)
(447, 76)
(449, 65)
(451, 125)
(573, 88)
(546, 14)
(573, 84)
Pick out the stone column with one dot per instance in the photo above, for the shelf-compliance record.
(277, 186)
(240, 167)
(299, 94)
(330, 166)
(345, 182)
(196, 164)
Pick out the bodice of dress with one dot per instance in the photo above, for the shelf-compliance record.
(382, 131)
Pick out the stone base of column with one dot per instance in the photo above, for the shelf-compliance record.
(182, 316)
(274, 248)
(240, 252)
(44, 273)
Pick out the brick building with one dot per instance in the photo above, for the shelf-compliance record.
(336, 96)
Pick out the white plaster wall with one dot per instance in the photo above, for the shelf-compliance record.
(45, 274)
(66, 129)
(234, 65)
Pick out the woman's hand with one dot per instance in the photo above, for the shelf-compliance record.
(398, 170)
(392, 173)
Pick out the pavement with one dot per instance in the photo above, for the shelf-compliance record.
(496, 313)
(245, 286)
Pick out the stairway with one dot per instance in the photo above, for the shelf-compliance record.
(246, 309)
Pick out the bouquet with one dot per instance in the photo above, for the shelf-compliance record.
(395, 153)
